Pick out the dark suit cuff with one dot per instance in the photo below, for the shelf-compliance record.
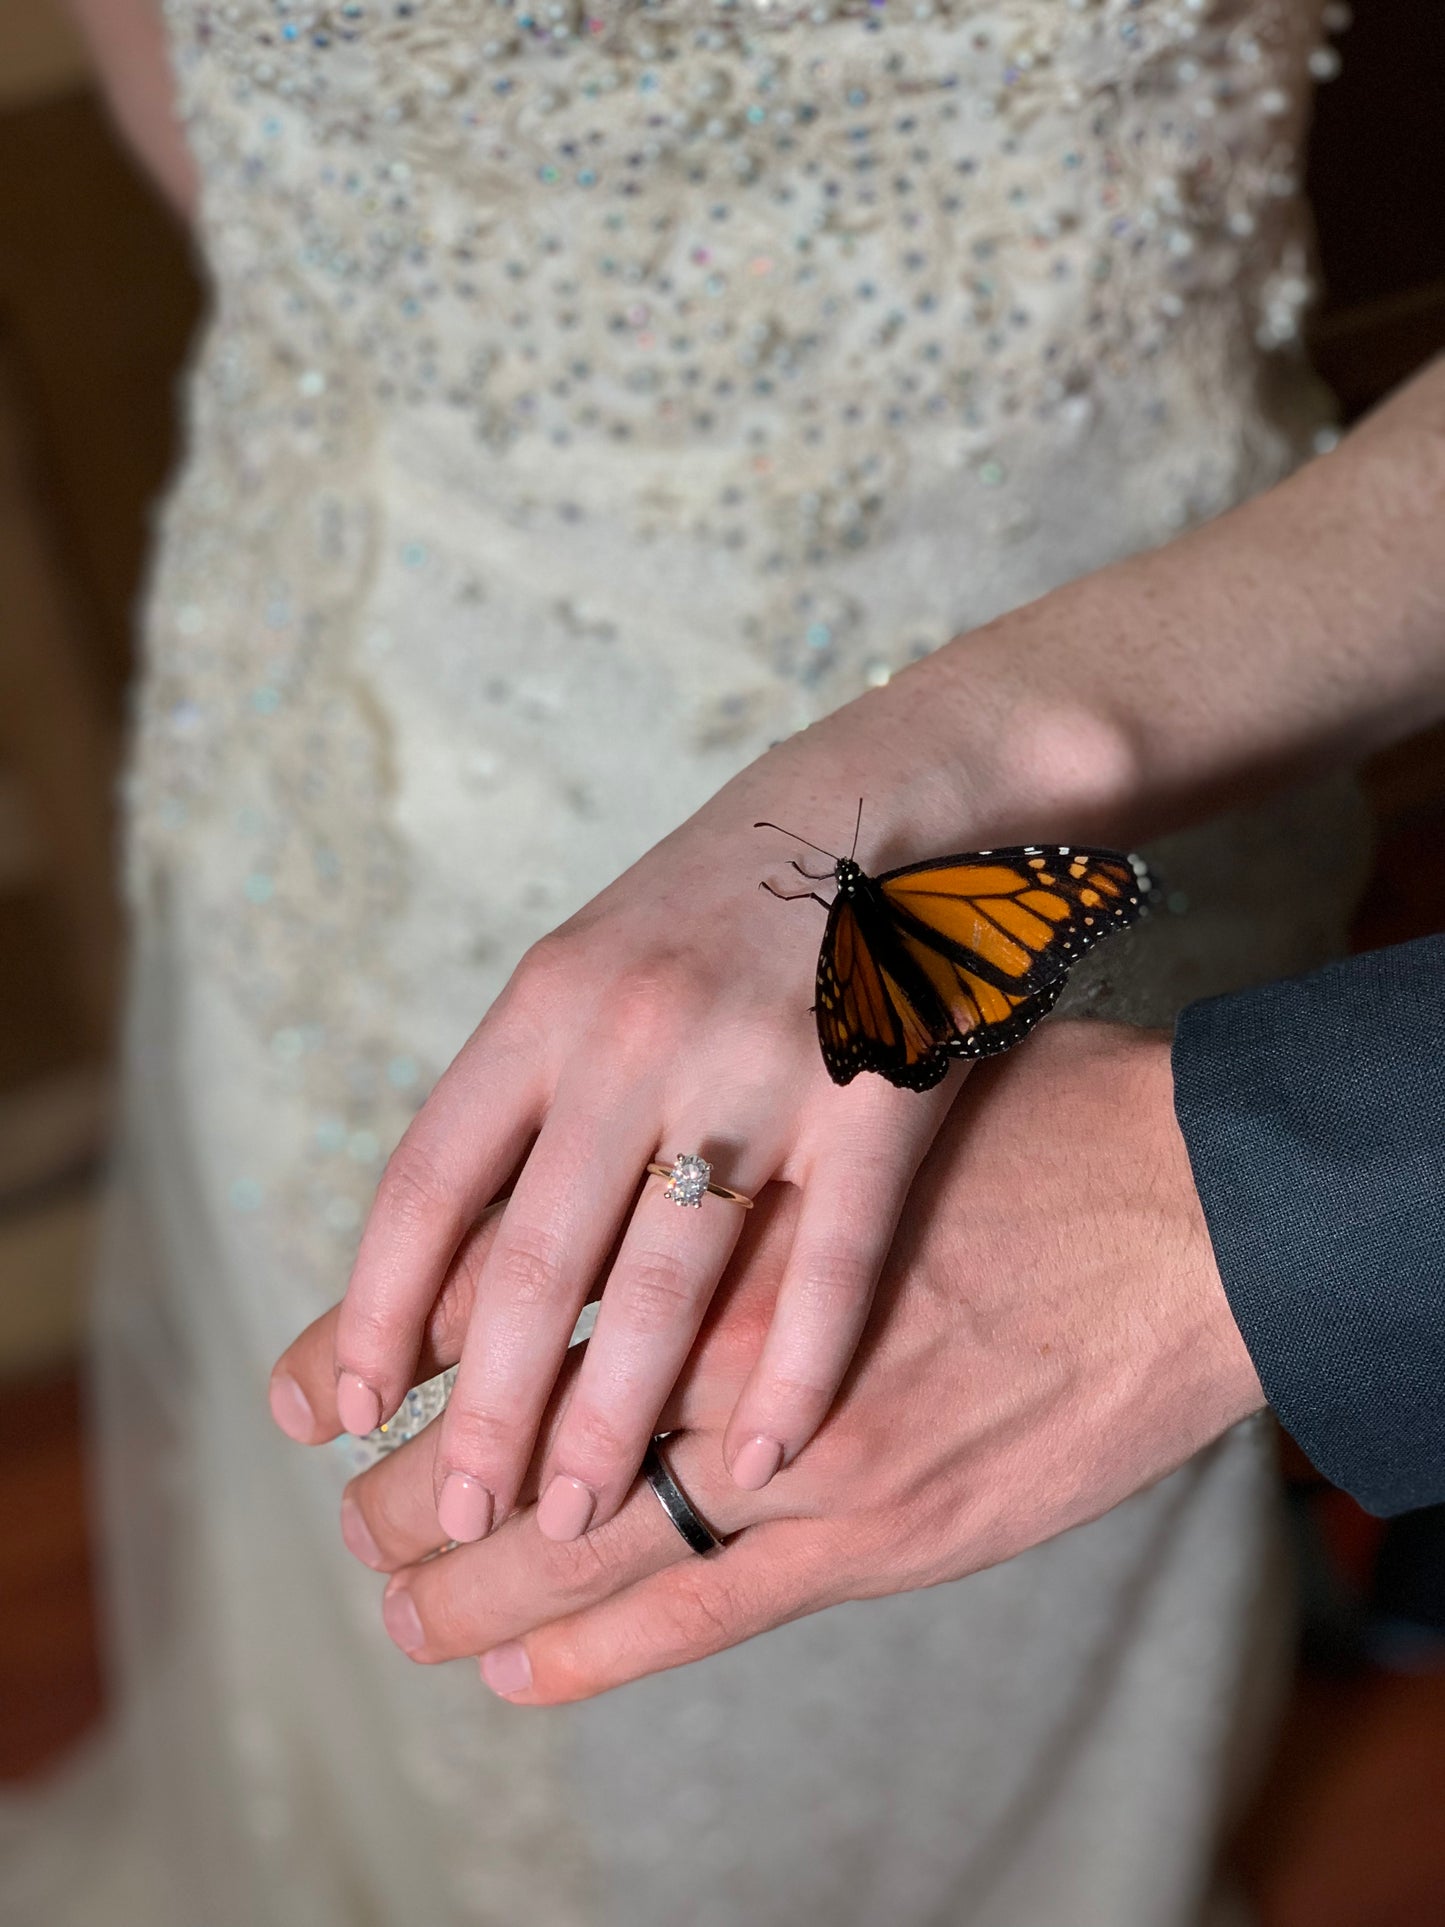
(1314, 1114)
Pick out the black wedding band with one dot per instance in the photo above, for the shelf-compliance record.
(675, 1503)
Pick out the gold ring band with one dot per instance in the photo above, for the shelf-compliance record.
(689, 1180)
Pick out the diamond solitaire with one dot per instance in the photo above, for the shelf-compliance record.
(689, 1180)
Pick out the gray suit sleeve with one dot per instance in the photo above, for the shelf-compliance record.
(1314, 1113)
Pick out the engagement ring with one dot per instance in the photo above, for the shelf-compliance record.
(689, 1179)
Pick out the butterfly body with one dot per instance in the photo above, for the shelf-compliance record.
(959, 956)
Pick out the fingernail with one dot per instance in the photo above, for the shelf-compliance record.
(756, 1463)
(507, 1669)
(291, 1408)
(358, 1406)
(464, 1509)
(565, 1508)
(402, 1620)
(356, 1536)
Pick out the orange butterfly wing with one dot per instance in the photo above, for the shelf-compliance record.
(867, 1021)
(961, 956)
(1015, 919)
(983, 1018)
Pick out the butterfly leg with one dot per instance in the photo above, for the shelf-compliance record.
(813, 876)
(794, 896)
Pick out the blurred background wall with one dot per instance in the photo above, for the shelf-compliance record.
(97, 300)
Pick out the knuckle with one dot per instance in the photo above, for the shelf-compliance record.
(548, 956)
(593, 1442)
(645, 1004)
(577, 1571)
(656, 1294)
(792, 1405)
(544, 976)
(529, 1269)
(832, 1277)
(368, 1340)
(477, 1442)
(414, 1194)
(693, 1611)
(844, 1460)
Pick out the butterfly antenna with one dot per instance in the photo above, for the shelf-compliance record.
(856, 828)
(797, 839)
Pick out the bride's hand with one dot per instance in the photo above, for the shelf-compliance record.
(670, 1015)
(1051, 1336)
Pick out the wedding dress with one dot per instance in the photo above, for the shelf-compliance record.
(588, 400)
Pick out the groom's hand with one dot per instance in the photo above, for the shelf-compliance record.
(1051, 1336)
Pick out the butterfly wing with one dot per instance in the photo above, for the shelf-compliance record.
(961, 956)
(981, 1019)
(868, 1019)
(1012, 920)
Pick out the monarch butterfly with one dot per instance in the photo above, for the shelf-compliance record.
(958, 956)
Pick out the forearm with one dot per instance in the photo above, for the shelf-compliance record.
(127, 44)
(1298, 632)
(1315, 1124)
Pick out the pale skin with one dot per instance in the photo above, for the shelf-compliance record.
(1050, 1336)
(126, 42)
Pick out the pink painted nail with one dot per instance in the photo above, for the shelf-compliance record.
(464, 1509)
(291, 1408)
(756, 1462)
(402, 1620)
(358, 1406)
(356, 1536)
(507, 1669)
(565, 1509)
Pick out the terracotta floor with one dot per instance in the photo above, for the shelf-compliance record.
(50, 1671)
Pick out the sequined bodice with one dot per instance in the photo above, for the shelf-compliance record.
(592, 397)
(800, 248)
(763, 273)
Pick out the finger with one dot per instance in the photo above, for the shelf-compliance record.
(652, 1306)
(478, 1596)
(851, 1201)
(390, 1509)
(303, 1379)
(557, 1232)
(453, 1159)
(693, 1607)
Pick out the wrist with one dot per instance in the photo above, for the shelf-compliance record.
(1229, 1385)
(1018, 749)
(975, 746)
